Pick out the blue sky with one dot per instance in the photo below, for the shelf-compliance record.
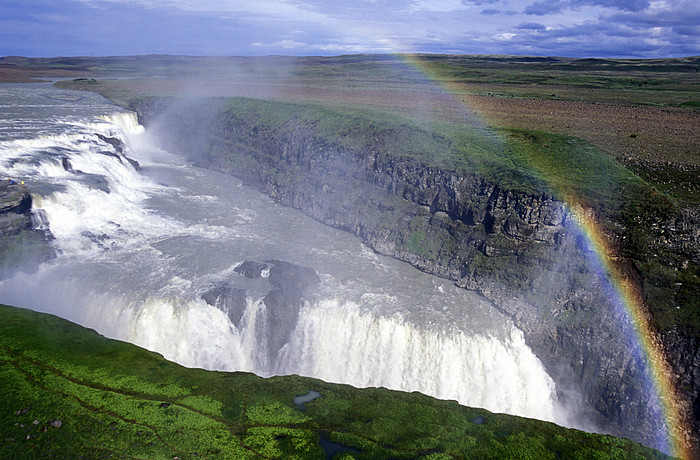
(576, 28)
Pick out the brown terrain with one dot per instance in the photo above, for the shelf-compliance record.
(654, 129)
(627, 124)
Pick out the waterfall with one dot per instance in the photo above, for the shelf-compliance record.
(143, 237)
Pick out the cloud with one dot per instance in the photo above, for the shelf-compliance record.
(290, 9)
(480, 2)
(590, 28)
(659, 14)
(531, 26)
(639, 35)
(544, 7)
(687, 30)
(624, 5)
(443, 6)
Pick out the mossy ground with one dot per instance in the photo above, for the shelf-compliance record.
(115, 400)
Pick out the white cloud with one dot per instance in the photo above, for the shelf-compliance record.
(281, 9)
(441, 6)
(503, 37)
(285, 44)
(330, 47)
(593, 28)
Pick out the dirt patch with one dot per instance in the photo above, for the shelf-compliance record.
(644, 133)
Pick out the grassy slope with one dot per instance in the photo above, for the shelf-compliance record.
(114, 399)
(523, 160)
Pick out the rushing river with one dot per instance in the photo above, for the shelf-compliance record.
(139, 247)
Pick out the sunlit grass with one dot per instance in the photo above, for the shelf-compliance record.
(114, 399)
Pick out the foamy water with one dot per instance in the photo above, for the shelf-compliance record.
(138, 248)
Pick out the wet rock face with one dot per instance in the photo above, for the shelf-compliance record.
(291, 278)
(113, 141)
(118, 150)
(20, 245)
(228, 299)
(15, 208)
(283, 302)
(251, 269)
(521, 250)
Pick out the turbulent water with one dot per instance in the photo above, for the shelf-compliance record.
(137, 248)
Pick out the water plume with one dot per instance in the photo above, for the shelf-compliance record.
(139, 248)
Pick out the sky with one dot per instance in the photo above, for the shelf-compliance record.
(571, 28)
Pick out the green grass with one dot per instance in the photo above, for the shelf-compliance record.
(523, 160)
(114, 400)
(389, 136)
(626, 200)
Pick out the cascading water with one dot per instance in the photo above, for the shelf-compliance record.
(147, 251)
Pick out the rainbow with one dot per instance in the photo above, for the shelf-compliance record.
(630, 299)
(627, 297)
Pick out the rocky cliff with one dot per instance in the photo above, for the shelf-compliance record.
(519, 248)
(21, 246)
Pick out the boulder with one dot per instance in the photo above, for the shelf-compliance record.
(228, 299)
(283, 302)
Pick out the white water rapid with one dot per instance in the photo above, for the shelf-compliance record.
(138, 247)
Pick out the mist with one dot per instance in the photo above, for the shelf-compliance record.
(140, 252)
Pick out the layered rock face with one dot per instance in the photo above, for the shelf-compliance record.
(20, 245)
(15, 207)
(523, 251)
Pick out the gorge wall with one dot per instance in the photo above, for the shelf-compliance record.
(520, 249)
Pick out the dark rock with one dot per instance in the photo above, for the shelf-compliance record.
(135, 164)
(251, 269)
(65, 162)
(21, 246)
(228, 299)
(284, 301)
(282, 315)
(107, 153)
(119, 147)
(113, 141)
(290, 277)
(14, 199)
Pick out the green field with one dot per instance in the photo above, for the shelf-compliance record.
(70, 393)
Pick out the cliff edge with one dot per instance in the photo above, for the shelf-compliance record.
(492, 227)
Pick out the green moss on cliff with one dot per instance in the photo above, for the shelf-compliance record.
(526, 162)
(67, 391)
(519, 160)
